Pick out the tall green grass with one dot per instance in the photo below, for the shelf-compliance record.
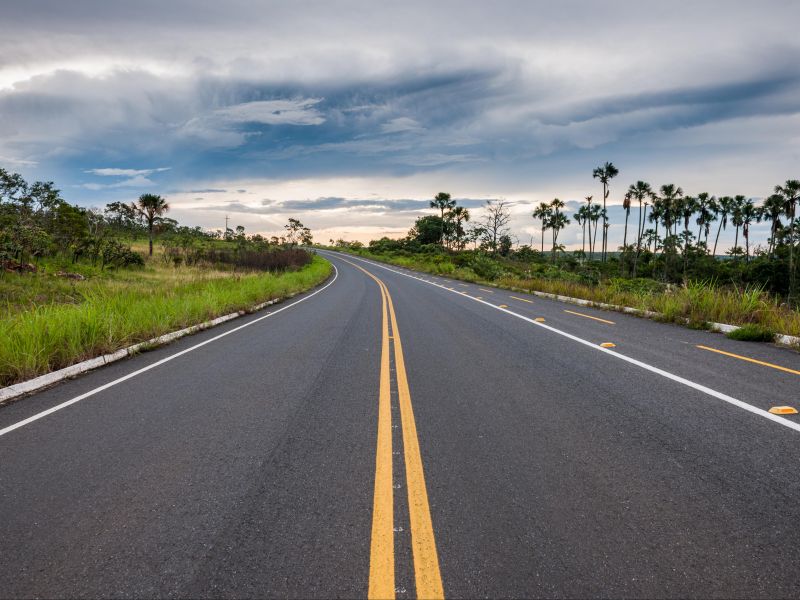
(697, 302)
(105, 318)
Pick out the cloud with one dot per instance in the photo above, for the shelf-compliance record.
(274, 112)
(401, 124)
(332, 203)
(520, 99)
(131, 182)
(17, 162)
(111, 172)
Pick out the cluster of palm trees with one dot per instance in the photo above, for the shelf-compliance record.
(679, 224)
(553, 218)
(677, 214)
(453, 217)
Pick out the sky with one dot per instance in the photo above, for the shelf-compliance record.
(351, 116)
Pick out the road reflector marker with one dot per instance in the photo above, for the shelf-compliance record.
(539, 319)
(608, 345)
(504, 306)
(783, 410)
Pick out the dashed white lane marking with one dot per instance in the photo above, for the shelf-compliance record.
(677, 378)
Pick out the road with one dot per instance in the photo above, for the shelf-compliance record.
(394, 434)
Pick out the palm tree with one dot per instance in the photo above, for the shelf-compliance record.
(542, 212)
(605, 174)
(595, 214)
(750, 213)
(656, 214)
(581, 217)
(736, 218)
(688, 206)
(443, 202)
(771, 210)
(557, 221)
(790, 191)
(150, 207)
(589, 224)
(626, 204)
(725, 207)
(704, 213)
(460, 215)
(671, 196)
(641, 191)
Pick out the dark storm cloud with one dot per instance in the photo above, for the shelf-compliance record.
(510, 98)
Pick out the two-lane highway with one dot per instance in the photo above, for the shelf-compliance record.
(399, 434)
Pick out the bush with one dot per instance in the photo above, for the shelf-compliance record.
(485, 268)
(752, 333)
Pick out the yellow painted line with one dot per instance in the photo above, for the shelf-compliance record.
(522, 299)
(423, 543)
(504, 306)
(485, 290)
(752, 360)
(381, 564)
(608, 345)
(464, 284)
(572, 312)
(783, 410)
(427, 574)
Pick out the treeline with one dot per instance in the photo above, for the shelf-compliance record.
(671, 237)
(37, 223)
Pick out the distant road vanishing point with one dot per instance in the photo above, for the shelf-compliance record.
(393, 434)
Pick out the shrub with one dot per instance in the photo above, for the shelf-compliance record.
(752, 333)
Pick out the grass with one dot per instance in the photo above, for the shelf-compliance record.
(752, 333)
(696, 303)
(48, 322)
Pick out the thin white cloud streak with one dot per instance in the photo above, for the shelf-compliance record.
(112, 172)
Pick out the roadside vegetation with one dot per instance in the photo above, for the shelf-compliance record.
(668, 262)
(77, 283)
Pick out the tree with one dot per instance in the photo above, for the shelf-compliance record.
(581, 218)
(790, 191)
(543, 212)
(427, 229)
(294, 231)
(556, 222)
(495, 222)
(595, 214)
(456, 218)
(706, 205)
(605, 174)
(626, 205)
(151, 207)
(641, 191)
(725, 206)
(443, 203)
(589, 215)
(737, 209)
(750, 213)
(771, 210)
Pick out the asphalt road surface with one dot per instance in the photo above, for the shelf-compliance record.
(394, 434)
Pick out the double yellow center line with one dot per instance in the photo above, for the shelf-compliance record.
(427, 576)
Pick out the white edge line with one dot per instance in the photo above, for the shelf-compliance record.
(677, 378)
(97, 390)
